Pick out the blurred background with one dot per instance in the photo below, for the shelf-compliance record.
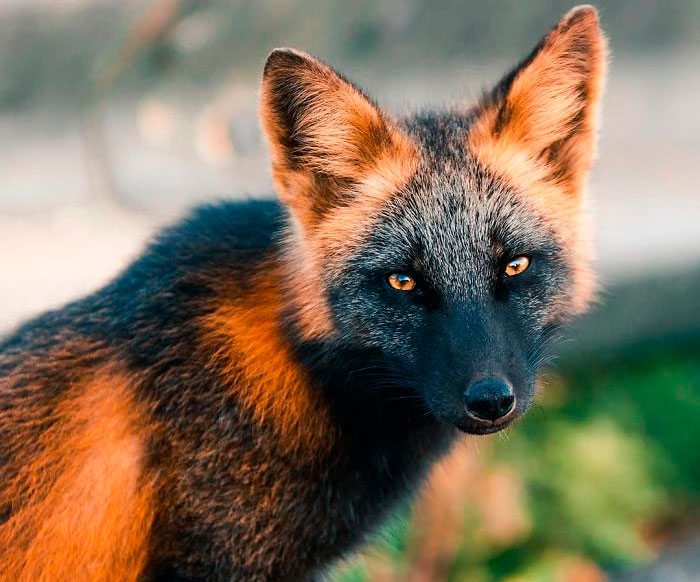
(117, 115)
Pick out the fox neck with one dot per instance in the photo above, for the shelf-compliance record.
(369, 402)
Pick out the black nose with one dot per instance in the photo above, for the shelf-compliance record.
(489, 399)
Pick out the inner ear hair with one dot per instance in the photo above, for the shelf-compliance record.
(546, 107)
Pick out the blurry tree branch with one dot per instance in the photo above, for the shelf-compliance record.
(153, 25)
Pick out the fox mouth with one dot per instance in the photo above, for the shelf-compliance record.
(483, 430)
(478, 426)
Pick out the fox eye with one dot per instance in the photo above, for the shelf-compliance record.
(517, 266)
(401, 282)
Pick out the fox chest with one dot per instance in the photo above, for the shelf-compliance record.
(250, 515)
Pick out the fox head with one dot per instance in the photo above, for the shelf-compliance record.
(449, 244)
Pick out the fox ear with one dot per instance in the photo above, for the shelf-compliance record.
(325, 135)
(539, 123)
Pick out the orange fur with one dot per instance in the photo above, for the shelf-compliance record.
(267, 380)
(541, 136)
(82, 505)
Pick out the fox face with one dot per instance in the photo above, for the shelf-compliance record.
(449, 245)
(459, 295)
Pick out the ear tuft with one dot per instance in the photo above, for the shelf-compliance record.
(581, 13)
(283, 57)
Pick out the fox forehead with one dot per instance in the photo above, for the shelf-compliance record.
(454, 223)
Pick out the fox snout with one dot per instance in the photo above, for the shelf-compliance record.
(489, 401)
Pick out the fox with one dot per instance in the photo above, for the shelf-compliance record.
(260, 390)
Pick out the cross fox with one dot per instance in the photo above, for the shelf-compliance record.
(257, 391)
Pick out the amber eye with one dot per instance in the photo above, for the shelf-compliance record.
(401, 282)
(517, 266)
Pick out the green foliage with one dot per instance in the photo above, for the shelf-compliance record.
(355, 572)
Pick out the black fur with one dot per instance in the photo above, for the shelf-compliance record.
(146, 317)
